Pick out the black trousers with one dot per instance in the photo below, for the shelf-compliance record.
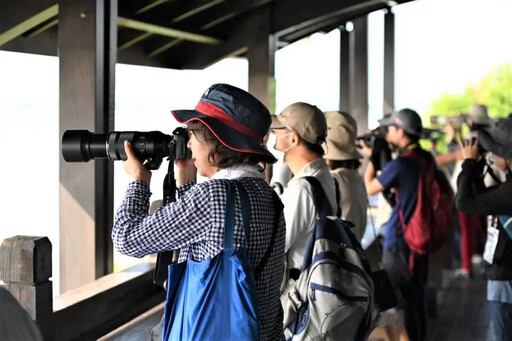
(409, 287)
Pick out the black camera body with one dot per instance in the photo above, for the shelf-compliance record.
(370, 139)
(149, 147)
(376, 141)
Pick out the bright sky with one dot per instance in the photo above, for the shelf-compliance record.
(441, 46)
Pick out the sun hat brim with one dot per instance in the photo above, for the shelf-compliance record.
(228, 136)
(496, 139)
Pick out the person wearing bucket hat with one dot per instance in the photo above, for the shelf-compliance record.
(403, 129)
(226, 132)
(495, 201)
(342, 157)
(478, 117)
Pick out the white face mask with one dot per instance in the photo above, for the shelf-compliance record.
(287, 149)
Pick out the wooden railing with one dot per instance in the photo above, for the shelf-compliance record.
(87, 312)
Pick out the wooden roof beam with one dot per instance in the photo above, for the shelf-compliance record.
(195, 10)
(151, 6)
(238, 8)
(191, 9)
(165, 31)
(287, 16)
(29, 24)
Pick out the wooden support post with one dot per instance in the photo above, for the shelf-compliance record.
(87, 46)
(389, 62)
(26, 269)
(261, 56)
(359, 46)
(354, 71)
(345, 76)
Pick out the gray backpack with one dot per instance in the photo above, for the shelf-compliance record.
(333, 298)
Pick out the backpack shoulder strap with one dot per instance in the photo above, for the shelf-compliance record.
(278, 208)
(338, 197)
(246, 211)
(319, 196)
(425, 160)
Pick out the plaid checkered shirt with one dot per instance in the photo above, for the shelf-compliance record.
(195, 225)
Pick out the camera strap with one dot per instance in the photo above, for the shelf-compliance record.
(407, 148)
(490, 171)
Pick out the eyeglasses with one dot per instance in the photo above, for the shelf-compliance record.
(278, 136)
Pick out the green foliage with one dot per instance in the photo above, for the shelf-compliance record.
(494, 90)
(451, 104)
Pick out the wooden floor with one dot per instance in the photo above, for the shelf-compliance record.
(462, 315)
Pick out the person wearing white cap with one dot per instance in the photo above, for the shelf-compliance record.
(342, 157)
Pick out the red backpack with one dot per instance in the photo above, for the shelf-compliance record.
(431, 220)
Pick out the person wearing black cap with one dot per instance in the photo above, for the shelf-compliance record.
(227, 128)
(403, 130)
(496, 201)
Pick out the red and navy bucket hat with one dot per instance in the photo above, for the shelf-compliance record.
(237, 118)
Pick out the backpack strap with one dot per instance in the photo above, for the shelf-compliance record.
(338, 197)
(319, 197)
(278, 208)
(246, 216)
(246, 212)
(229, 220)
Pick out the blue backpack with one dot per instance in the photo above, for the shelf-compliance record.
(216, 299)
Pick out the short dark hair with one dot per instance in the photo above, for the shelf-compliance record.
(313, 148)
(413, 138)
(225, 157)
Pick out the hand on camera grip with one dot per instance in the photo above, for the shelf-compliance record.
(133, 167)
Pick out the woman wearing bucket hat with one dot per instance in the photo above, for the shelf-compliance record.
(229, 229)
(342, 157)
(495, 201)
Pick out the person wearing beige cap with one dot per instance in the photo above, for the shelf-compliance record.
(478, 116)
(300, 130)
(342, 158)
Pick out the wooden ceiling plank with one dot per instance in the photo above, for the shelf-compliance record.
(151, 6)
(135, 40)
(165, 31)
(28, 24)
(197, 10)
(44, 28)
(165, 47)
(219, 21)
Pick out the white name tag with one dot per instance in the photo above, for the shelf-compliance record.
(490, 245)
